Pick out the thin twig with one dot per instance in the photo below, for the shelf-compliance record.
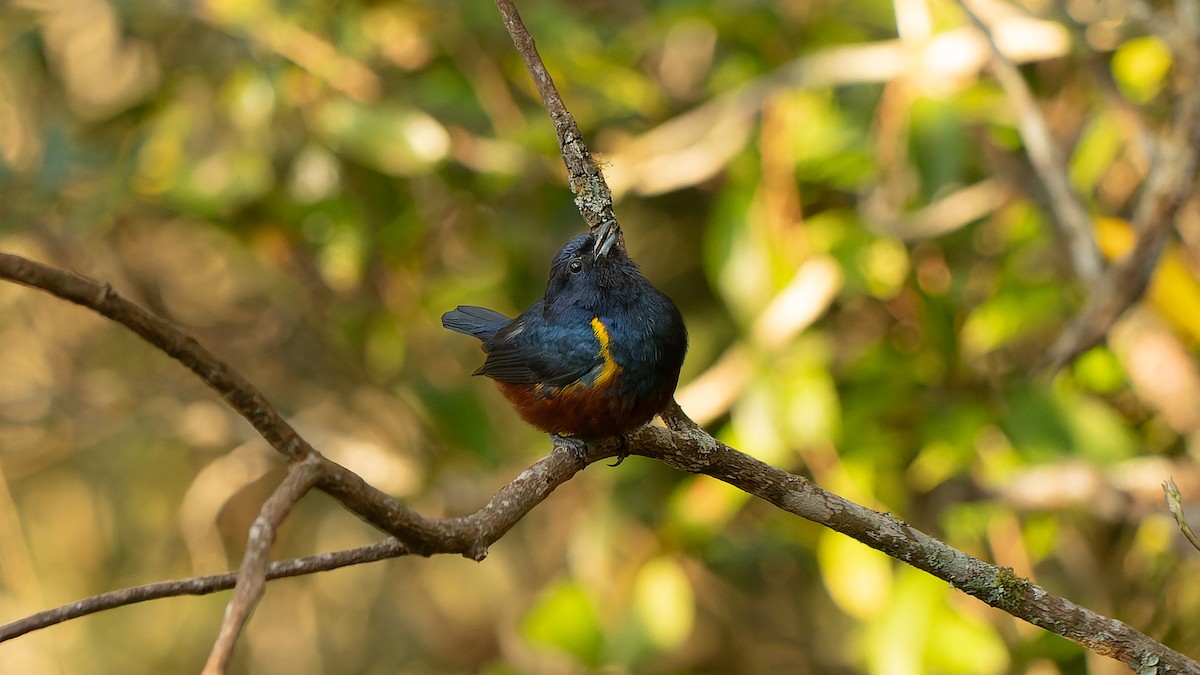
(1175, 506)
(206, 585)
(252, 577)
(592, 195)
(1170, 181)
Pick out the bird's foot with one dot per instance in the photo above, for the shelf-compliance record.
(622, 450)
(578, 447)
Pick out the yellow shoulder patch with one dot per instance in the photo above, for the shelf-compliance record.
(610, 367)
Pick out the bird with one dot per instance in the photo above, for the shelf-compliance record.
(597, 356)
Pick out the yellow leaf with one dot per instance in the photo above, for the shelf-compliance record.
(1174, 291)
(664, 603)
(859, 579)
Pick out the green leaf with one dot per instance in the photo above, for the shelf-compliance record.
(1140, 67)
(1013, 313)
(395, 140)
(564, 617)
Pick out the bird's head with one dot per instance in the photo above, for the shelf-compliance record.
(589, 267)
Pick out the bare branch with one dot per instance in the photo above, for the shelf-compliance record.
(374, 506)
(685, 446)
(592, 196)
(321, 562)
(470, 535)
(691, 449)
(237, 391)
(467, 535)
(251, 578)
(1173, 170)
(1036, 489)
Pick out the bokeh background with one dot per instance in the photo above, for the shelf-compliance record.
(834, 191)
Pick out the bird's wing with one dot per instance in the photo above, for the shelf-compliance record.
(531, 352)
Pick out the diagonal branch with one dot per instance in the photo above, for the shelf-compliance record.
(252, 577)
(374, 506)
(593, 198)
(685, 446)
(237, 391)
(691, 449)
(1170, 180)
(469, 535)
(1167, 186)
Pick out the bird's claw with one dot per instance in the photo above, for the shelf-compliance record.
(622, 451)
(578, 447)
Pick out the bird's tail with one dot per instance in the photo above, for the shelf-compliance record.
(479, 322)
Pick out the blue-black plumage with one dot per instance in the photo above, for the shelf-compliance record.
(598, 355)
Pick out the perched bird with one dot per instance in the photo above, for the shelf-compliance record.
(599, 355)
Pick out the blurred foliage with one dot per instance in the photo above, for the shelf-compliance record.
(846, 219)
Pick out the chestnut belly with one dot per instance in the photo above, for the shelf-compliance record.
(582, 411)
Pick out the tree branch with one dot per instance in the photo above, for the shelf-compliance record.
(251, 578)
(688, 448)
(206, 585)
(593, 198)
(695, 451)
(1170, 181)
(237, 391)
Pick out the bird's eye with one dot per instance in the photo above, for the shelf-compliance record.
(575, 266)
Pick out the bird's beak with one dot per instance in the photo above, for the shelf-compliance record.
(607, 236)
